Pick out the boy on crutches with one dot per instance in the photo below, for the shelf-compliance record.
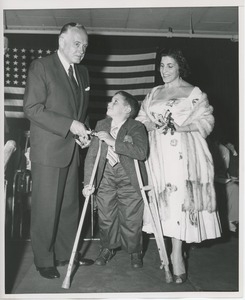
(119, 200)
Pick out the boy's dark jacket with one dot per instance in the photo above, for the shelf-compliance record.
(131, 143)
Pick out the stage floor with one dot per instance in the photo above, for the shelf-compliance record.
(212, 267)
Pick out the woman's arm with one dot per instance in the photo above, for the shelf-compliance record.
(201, 118)
(186, 128)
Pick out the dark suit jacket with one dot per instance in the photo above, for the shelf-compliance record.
(127, 151)
(50, 104)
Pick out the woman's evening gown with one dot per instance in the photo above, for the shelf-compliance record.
(167, 173)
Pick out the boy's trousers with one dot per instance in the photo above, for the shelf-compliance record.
(120, 210)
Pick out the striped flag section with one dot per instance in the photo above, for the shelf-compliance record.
(13, 101)
(129, 70)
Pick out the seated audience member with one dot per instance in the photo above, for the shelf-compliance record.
(226, 162)
(232, 186)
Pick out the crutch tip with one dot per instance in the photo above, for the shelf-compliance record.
(66, 283)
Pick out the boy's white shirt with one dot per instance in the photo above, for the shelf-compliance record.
(118, 126)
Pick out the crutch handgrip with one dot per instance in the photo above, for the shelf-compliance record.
(147, 188)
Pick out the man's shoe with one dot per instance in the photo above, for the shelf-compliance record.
(104, 256)
(48, 272)
(136, 260)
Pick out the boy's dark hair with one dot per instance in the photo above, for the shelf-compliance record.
(131, 101)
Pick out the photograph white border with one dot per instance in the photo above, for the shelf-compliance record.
(62, 4)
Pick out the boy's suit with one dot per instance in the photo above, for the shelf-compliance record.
(119, 200)
(134, 130)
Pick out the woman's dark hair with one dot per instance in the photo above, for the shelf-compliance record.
(177, 55)
(131, 101)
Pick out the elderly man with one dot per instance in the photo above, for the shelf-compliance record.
(56, 102)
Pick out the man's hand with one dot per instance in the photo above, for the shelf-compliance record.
(83, 142)
(78, 128)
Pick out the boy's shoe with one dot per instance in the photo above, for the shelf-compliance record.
(104, 256)
(136, 260)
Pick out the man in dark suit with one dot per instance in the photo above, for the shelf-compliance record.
(56, 102)
(119, 200)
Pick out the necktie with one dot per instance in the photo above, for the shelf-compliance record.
(73, 80)
(74, 83)
(111, 155)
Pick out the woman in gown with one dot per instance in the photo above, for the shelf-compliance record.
(178, 118)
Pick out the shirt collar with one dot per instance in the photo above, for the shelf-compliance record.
(118, 126)
(64, 62)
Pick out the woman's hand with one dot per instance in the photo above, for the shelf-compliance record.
(162, 129)
(159, 120)
(150, 126)
(177, 127)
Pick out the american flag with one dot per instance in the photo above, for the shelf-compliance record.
(16, 64)
(129, 70)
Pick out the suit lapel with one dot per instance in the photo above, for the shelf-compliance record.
(61, 72)
(122, 131)
(81, 89)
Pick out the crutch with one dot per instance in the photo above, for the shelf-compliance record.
(155, 222)
(67, 281)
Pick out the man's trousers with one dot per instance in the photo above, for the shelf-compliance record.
(54, 212)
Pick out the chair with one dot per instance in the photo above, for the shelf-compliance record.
(21, 199)
(9, 149)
